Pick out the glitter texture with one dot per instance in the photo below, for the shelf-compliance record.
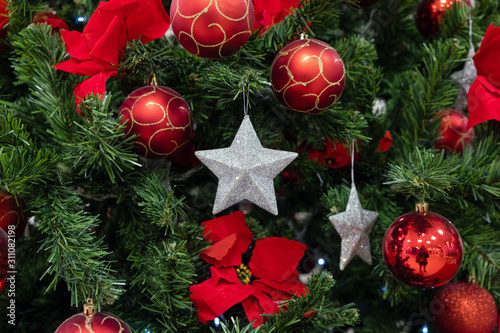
(464, 308)
(464, 78)
(353, 227)
(246, 170)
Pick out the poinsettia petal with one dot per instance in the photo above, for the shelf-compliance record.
(158, 23)
(276, 258)
(486, 58)
(78, 67)
(104, 14)
(95, 84)
(75, 45)
(216, 295)
(220, 254)
(256, 305)
(222, 227)
(484, 102)
(385, 143)
(108, 46)
(281, 290)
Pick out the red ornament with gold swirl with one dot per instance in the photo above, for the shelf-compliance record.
(161, 118)
(307, 76)
(12, 213)
(212, 28)
(90, 322)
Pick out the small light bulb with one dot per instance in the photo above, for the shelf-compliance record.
(425, 329)
(321, 261)
(217, 322)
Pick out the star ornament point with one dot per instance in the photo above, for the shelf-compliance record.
(353, 226)
(245, 170)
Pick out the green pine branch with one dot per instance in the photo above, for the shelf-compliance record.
(424, 174)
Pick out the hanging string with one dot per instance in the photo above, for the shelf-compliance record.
(352, 162)
(246, 97)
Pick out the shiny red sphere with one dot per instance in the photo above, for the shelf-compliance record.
(161, 118)
(4, 260)
(101, 322)
(212, 29)
(430, 13)
(453, 135)
(12, 213)
(307, 76)
(464, 308)
(422, 250)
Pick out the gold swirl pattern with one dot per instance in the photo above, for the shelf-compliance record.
(212, 28)
(161, 118)
(101, 322)
(308, 76)
(11, 213)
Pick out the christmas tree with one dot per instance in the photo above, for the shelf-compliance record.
(244, 166)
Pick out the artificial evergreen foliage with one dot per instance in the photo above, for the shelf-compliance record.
(125, 230)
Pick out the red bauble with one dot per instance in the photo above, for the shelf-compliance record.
(422, 249)
(464, 308)
(212, 29)
(12, 213)
(453, 134)
(307, 76)
(4, 259)
(100, 322)
(161, 117)
(430, 13)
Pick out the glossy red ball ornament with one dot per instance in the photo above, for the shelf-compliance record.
(212, 29)
(422, 249)
(430, 13)
(453, 134)
(12, 213)
(4, 260)
(161, 118)
(464, 308)
(90, 322)
(307, 76)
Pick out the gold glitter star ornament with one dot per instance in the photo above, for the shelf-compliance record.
(353, 226)
(245, 170)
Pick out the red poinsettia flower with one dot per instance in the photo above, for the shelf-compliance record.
(335, 155)
(97, 50)
(51, 19)
(270, 277)
(270, 12)
(484, 93)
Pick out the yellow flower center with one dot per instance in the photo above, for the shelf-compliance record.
(244, 273)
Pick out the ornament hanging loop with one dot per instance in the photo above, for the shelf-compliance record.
(246, 96)
(303, 35)
(151, 81)
(422, 207)
(89, 308)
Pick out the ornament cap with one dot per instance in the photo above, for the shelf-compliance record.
(422, 207)
(151, 81)
(89, 308)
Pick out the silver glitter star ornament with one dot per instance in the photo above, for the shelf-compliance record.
(246, 170)
(354, 225)
(464, 79)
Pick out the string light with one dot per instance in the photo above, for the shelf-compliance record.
(217, 322)
(321, 261)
